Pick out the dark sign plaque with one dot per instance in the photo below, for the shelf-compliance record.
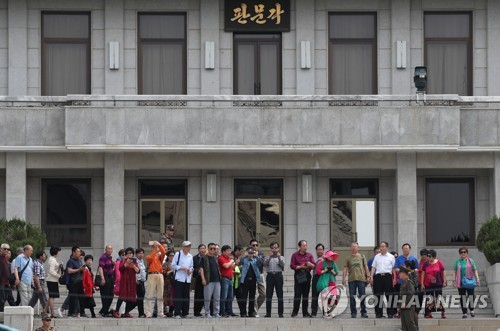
(257, 15)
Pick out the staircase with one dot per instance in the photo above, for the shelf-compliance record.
(484, 320)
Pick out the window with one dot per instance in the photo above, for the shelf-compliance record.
(257, 63)
(256, 187)
(65, 53)
(352, 59)
(450, 211)
(448, 52)
(162, 202)
(66, 211)
(162, 53)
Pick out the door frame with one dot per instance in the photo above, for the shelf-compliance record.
(258, 220)
(162, 215)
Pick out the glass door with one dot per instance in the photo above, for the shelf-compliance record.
(153, 211)
(353, 220)
(260, 219)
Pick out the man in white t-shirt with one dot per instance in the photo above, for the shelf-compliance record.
(383, 280)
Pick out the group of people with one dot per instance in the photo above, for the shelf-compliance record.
(159, 284)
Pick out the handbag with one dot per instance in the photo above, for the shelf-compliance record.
(62, 278)
(469, 283)
(301, 277)
(98, 278)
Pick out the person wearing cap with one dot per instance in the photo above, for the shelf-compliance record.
(46, 323)
(328, 271)
(168, 236)
(250, 277)
(407, 301)
(183, 266)
(357, 268)
(210, 278)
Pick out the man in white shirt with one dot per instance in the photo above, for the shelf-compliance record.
(383, 280)
(183, 266)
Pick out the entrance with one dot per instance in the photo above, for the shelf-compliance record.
(259, 219)
(156, 214)
(353, 216)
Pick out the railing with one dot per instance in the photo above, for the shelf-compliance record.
(250, 100)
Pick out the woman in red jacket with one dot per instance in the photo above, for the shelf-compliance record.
(88, 284)
(128, 285)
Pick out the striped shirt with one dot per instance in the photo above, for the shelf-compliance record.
(274, 264)
(39, 270)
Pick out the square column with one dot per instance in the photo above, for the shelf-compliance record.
(306, 211)
(400, 30)
(211, 228)
(15, 186)
(18, 47)
(406, 208)
(114, 203)
(209, 23)
(114, 24)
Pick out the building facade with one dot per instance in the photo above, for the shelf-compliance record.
(119, 117)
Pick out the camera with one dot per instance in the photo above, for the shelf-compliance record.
(410, 264)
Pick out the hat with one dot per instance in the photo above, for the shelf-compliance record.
(330, 253)
(45, 317)
(186, 243)
(170, 227)
(404, 270)
(250, 250)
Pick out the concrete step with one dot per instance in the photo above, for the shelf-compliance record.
(274, 324)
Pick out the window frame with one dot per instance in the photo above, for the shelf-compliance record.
(45, 41)
(257, 42)
(371, 41)
(472, 209)
(160, 41)
(88, 225)
(440, 41)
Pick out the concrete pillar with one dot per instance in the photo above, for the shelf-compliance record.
(306, 212)
(209, 22)
(114, 203)
(211, 213)
(304, 18)
(400, 30)
(19, 318)
(493, 50)
(496, 185)
(406, 208)
(114, 25)
(15, 185)
(18, 47)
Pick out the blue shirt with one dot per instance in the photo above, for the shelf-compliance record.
(369, 263)
(400, 262)
(20, 263)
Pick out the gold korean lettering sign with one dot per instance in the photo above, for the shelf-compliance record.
(257, 15)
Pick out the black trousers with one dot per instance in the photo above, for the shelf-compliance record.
(382, 285)
(248, 290)
(315, 294)
(198, 297)
(107, 294)
(301, 292)
(139, 303)
(181, 298)
(274, 282)
(466, 294)
(238, 294)
(436, 292)
(76, 294)
(3, 296)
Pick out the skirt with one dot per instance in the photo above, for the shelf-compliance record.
(53, 288)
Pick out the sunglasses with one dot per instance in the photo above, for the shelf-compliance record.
(212, 248)
(463, 252)
(6, 249)
(255, 245)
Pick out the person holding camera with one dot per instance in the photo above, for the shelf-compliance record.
(128, 285)
(155, 278)
(275, 264)
(408, 261)
(250, 277)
